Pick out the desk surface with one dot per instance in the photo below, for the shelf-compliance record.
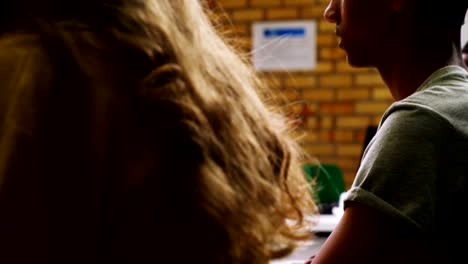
(323, 224)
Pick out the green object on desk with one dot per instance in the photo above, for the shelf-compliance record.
(326, 181)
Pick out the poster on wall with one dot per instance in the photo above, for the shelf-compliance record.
(284, 45)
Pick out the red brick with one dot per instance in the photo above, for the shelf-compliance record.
(353, 150)
(371, 107)
(283, 13)
(353, 94)
(368, 79)
(324, 26)
(323, 67)
(297, 2)
(265, 3)
(352, 122)
(315, 95)
(382, 93)
(232, 3)
(331, 53)
(336, 108)
(326, 40)
(302, 81)
(312, 12)
(247, 15)
(343, 66)
(316, 149)
(336, 81)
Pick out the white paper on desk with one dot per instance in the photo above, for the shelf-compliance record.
(284, 46)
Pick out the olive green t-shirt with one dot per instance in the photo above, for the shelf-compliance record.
(415, 168)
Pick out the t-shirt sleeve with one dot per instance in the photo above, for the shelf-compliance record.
(398, 173)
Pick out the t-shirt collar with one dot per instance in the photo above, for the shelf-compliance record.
(442, 73)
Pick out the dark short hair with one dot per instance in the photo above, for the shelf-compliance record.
(445, 14)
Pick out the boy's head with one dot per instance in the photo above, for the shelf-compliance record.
(371, 30)
(448, 14)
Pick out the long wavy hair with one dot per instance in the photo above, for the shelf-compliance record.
(204, 170)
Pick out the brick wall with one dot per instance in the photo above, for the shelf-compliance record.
(334, 103)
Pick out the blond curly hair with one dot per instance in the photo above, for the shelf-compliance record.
(197, 157)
